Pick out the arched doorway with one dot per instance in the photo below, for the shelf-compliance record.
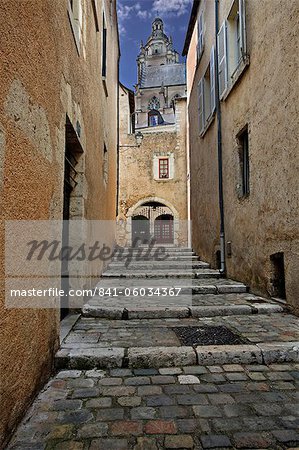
(140, 230)
(164, 229)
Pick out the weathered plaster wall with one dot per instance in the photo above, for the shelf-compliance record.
(265, 98)
(43, 79)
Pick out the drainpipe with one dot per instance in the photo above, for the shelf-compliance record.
(219, 147)
(117, 155)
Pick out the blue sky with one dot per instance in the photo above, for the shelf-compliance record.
(135, 19)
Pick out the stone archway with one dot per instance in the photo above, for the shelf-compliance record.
(152, 208)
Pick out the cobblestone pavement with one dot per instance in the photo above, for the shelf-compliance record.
(230, 406)
(89, 332)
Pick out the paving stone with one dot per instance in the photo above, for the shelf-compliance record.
(205, 388)
(207, 411)
(160, 400)
(173, 412)
(264, 409)
(180, 441)
(253, 440)
(110, 381)
(188, 379)
(193, 370)
(137, 381)
(192, 399)
(124, 428)
(99, 402)
(186, 425)
(64, 405)
(117, 391)
(75, 417)
(236, 376)
(149, 390)
(92, 430)
(80, 382)
(85, 393)
(69, 374)
(237, 410)
(145, 443)
(227, 425)
(69, 445)
(220, 399)
(145, 372)
(109, 444)
(215, 369)
(143, 412)
(233, 368)
(178, 389)
(215, 441)
(95, 373)
(110, 414)
(121, 372)
(170, 371)
(160, 427)
(280, 376)
(129, 401)
(257, 376)
(259, 423)
(163, 379)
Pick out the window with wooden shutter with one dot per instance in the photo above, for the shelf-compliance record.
(200, 106)
(222, 59)
(242, 25)
(212, 80)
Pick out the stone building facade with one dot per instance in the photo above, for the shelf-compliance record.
(153, 175)
(258, 88)
(58, 155)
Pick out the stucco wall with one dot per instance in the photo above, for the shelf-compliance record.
(43, 79)
(264, 98)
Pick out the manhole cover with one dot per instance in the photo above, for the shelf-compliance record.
(206, 335)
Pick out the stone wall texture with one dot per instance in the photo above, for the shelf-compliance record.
(264, 99)
(44, 78)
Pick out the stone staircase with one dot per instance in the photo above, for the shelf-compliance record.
(135, 319)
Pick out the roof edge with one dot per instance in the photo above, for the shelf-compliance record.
(191, 24)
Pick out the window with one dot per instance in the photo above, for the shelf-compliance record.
(200, 43)
(76, 19)
(206, 94)
(154, 103)
(104, 48)
(232, 48)
(154, 118)
(163, 168)
(244, 163)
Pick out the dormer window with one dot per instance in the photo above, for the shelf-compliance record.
(153, 119)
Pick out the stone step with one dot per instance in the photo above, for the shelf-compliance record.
(156, 357)
(159, 265)
(168, 312)
(172, 273)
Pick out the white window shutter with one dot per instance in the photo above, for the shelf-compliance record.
(171, 166)
(222, 59)
(156, 167)
(201, 106)
(242, 24)
(212, 80)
